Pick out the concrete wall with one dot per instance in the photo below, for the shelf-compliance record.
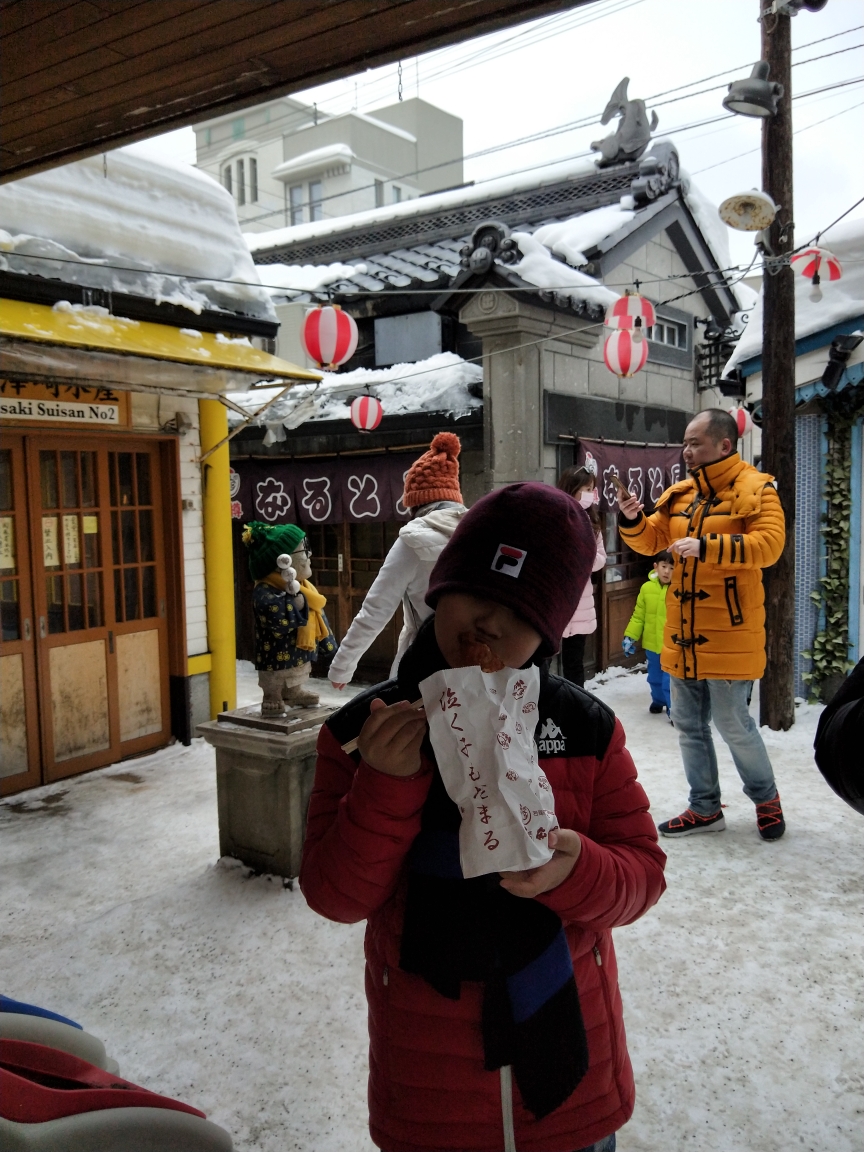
(439, 141)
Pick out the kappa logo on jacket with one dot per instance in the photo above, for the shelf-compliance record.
(550, 738)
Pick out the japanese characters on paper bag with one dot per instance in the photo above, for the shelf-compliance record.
(481, 725)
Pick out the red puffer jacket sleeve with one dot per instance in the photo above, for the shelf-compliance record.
(619, 873)
(360, 826)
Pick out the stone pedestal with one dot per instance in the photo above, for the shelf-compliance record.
(265, 769)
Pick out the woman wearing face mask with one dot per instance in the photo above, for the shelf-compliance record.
(581, 485)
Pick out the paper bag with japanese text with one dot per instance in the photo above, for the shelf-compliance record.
(481, 725)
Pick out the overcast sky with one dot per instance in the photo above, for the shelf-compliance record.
(545, 74)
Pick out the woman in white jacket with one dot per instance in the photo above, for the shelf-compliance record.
(432, 493)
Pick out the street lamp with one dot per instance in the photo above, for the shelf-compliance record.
(755, 96)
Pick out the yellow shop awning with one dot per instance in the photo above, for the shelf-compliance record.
(82, 343)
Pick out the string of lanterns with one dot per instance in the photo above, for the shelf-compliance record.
(329, 336)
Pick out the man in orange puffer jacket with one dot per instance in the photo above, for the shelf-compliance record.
(724, 524)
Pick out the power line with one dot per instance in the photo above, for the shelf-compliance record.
(545, 135)
(806, 127)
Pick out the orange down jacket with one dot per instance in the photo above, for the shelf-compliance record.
(715, 608)
(428, 1090)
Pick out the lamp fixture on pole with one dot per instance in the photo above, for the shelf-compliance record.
(756, 96)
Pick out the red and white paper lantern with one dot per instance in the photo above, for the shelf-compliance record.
(623, 354)
(366, 413)
(743, 419)
(631, 312)
(817, 262)
(329, 336)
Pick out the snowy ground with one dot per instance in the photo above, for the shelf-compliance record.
(743, 989)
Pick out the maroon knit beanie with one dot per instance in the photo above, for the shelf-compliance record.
(527, 546)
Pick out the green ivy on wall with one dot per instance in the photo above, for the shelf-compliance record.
(829, 655)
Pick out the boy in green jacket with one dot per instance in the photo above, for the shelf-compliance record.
(647, 623)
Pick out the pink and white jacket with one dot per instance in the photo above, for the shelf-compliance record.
(584, 619)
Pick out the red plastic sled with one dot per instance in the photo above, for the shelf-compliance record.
(39, 1083)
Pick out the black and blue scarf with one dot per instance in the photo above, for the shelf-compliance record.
(457, 929)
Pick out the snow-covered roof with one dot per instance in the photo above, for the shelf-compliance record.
(170, 228)
(841, 299)
(317, 160)
(423, 205)
(539, 266)
(438, 384)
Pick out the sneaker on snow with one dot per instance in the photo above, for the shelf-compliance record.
(656, 709)
(690, 822)
(769, 819)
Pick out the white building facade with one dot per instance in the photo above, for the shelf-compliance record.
(286, 163)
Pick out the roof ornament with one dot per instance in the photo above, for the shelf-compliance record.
(633, 134)
(489, 242)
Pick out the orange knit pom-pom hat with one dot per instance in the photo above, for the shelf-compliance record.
(435, 476)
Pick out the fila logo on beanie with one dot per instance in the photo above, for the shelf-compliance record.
(509, 560)
(550, 550)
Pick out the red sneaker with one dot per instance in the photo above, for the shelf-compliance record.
(769, 819)
(690, 822)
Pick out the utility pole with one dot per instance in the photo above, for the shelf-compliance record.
(776, 700)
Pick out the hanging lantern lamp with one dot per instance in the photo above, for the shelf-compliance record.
(623, 354)
(631, 312)
(329, 335)
(816, 264)
(743, 419)
(366, 413)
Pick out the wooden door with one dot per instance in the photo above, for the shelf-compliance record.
(99, 601)
(19, 721)
(346, 559)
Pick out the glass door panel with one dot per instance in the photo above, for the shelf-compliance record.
(19, 724)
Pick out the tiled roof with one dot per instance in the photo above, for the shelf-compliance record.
(438, 235)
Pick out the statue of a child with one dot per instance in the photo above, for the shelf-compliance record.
(291, 629)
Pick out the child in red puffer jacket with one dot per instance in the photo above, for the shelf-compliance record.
(494, 1013)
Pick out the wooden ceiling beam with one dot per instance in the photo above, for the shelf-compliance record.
(109, 72)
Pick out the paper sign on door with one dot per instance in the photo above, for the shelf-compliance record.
(50, 543)
(71, 542)
(7, 542)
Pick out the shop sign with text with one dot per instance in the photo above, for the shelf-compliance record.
(63, 404)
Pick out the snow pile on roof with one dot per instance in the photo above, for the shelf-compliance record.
(421, 205)
(538, 266)
(285, 281)
(439, 384)
(842, 299)
(173, 230)
(570, 239)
